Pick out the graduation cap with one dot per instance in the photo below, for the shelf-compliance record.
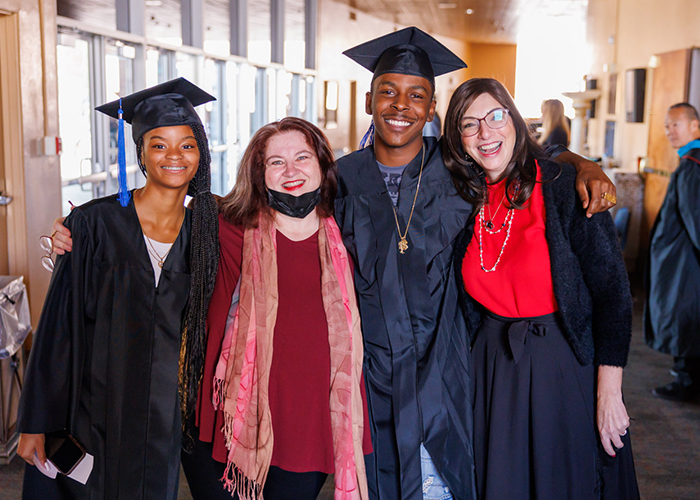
(409, 51)
(168, 104)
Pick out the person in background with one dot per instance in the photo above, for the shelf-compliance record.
(672, 311)
(399, 215)
(555, 125)
(546, 295)
(124, 309)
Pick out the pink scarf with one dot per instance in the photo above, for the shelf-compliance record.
(242, 379)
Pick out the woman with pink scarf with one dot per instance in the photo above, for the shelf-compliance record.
(283, 368)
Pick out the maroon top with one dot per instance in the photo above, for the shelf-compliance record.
(299, 386)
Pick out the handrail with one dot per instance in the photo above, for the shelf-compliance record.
(662, 173)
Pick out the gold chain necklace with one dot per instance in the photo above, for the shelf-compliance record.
(489, 222)
(403, 244)
(154, 253)
(152, 249)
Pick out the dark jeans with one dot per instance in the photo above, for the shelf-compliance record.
(688, 370)
(204, 478)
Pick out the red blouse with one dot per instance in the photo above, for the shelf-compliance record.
(521, 285)
(299, 384)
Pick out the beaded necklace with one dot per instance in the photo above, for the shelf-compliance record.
(488, 226)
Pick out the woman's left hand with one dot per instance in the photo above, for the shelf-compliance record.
(612, 417)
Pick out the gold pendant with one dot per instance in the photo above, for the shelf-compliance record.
(160, 264)
(403, 245)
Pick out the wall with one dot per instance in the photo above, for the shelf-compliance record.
(640, 29)
(36, 199)
(338, 32)
(493, 61)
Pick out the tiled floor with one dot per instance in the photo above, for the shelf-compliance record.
(666, 435)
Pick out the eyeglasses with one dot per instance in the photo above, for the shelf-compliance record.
(46, 243)
(496, 119)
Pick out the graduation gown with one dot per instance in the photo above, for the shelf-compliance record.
(416, 341)
(671, 314)
(104, 362)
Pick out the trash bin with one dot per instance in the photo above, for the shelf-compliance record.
(15, 325)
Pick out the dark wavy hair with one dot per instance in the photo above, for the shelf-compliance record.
(468, 176)
(204, 260)
(249, 195)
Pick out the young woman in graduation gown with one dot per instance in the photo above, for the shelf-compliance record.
(124, 309)
(546, 291)
(284, 352)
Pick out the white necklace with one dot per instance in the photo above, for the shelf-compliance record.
(507, 221)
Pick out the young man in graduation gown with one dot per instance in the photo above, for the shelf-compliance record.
(104, 362)
(399, 214)
(672, 312)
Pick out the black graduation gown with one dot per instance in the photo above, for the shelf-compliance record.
(672, 314)
(416, 341)
(104, 362)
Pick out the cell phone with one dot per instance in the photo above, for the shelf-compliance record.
(64, 451)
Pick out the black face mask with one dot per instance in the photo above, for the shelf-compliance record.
(294, 206)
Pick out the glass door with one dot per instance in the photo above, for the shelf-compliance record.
(73, 56)
(215, 123)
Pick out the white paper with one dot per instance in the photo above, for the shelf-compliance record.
(50, 470)
(81, 473)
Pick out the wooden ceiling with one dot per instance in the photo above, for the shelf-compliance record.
(483, 21)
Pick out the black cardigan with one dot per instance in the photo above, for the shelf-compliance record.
(588, 272)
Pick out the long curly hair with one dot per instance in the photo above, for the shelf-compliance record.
(468, 176)
(249, 195)
(204, 261)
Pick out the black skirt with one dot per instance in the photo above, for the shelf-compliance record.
(535, 433)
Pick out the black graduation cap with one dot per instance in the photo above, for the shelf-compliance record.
(168, 104)
(409, 51)
(165, 105)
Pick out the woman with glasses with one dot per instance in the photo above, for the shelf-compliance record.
(546, 291)
(124, 309)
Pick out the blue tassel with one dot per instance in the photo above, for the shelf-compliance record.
(368, 138)
(124, 195)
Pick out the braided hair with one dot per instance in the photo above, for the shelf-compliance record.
(204, 260)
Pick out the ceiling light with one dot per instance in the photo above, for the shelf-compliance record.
(153, 3)
(447, 5)
(469, 12)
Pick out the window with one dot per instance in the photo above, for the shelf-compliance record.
(75, 118)
(160, 66)
(215, 123)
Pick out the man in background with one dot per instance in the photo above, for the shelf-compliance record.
(672, 312)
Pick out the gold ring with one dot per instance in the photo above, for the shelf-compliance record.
(609, 197)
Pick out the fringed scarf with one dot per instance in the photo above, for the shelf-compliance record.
(242, 374)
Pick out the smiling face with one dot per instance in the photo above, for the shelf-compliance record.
(491, 149)
(290, 164)
(171, 156)
(400, 105)
(680, 128)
